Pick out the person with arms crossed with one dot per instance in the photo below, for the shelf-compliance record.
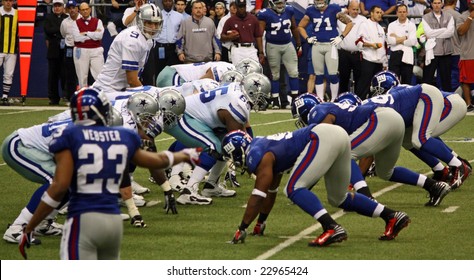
(88, 50)
(325, 38)
(93, 160)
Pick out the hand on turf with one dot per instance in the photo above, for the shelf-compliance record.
(170, 202)
(137, 221)
(25, 241)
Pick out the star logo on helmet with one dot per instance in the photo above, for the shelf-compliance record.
(256, 83)
(173, 102)
(143, 103)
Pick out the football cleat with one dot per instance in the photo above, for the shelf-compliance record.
(396, 222)
(49, 227)
(218, 190)
(442, 175)
(230, 177)
(187, 197)
(459, 175)
(437, 192)
(239, 235)
(177, 184)
(335, 233)
(138, 189)
(259, 229)
(13, 235)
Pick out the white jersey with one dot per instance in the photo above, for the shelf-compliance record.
(204, 106)
(129, 51)
(191, 72)
(39, 136)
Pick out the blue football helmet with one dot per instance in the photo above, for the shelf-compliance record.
(382, 82)
(319, 112)
(301, 106)
(234, 146)
(90, 106)
(349, 98)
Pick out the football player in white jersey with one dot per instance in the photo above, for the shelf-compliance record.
(208, 116)
(176, 75)
(129, 51)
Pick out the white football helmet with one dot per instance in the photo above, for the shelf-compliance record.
(149, 13)
(232, 76)
(278, 5)
(172, 106)
(258, 88)
(321, 4)
(142, 107)
(248, 65)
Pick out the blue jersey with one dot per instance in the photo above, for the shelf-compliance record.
(349, 117)
(402, 99)
(286, 147)
(324, 23)
(101, 155)
(277, 27)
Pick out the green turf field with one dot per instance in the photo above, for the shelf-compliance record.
(202, 232)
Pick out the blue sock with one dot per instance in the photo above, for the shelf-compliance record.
(307, 201)
(356, 174)
(207, 161)
(438, 149)
(359, 203)
(36, 198)
(425, 157)
(176, 147)
(405, 176)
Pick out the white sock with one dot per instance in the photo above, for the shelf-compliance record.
(216, 171)
(334, 91)
(197, 176)
(24, 217)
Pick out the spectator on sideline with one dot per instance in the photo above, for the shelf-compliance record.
(130, 14)
(9, 46)
(88, 50)
(450, 8)
(465, 29)
(180, 7)
(66, 31)
(226, 46)
(56, 45)
(115, 15)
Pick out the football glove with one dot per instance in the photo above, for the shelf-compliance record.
(259, 229)
(25, 241)
(312, 40)
(148, 145)
(337, 40)
(154, 127)
(299, 51)
(137, 221)
(193, 154)
(170, 202)
(239, 235)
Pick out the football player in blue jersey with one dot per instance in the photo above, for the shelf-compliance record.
(310, 153)
(325, 38)
(280, 28)
(93, 161)
(421, 108)
(377, 132)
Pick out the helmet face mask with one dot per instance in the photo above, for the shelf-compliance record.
(116, 119)
(257, 88)
(382, 82)
(90, 106)
(234, 147)
(301, 107)
(149, 20)
(142, 107)
(172, 106)
(278, 6)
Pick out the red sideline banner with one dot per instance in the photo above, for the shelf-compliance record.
(26, 23)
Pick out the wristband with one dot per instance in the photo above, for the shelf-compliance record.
(170, 158)
(49, 200)
(259, 193)
(342, 36)
(132, 208)
(273, 191)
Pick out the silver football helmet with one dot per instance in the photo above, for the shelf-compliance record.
(142, 107)
(203, 85)
(116, 119)
(248, 65)
(258, 88)
(172, 106)
(278, 5)
(149, 13)
(232, 76)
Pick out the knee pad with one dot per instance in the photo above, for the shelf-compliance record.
(333, 79)
(319, 79)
